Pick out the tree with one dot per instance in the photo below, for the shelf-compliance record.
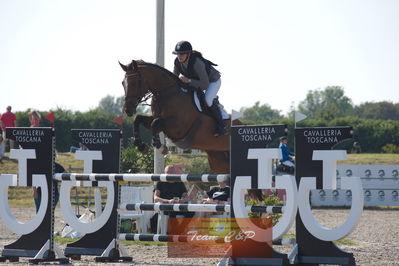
(110, 104)
(326, 104)
(260, 113)
(379, 110)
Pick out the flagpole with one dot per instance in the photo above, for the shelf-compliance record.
(159, 162)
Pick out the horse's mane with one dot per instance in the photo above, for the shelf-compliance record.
(173, 76)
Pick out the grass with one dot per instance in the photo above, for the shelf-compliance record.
(346, 242)
(64, 240)
(20, 196)
(343, 241)
(372, 158)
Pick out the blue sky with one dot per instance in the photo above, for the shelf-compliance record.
(65, 53)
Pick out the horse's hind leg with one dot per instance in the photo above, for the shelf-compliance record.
(219, 161)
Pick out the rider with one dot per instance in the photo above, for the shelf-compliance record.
(199, 72)
(286, 160)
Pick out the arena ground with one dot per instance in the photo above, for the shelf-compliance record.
(376, 239)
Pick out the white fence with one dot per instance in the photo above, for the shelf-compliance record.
(380, 185)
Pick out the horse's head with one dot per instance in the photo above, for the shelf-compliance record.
(133, 85)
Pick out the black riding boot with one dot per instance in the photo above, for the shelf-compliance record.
(215, 112)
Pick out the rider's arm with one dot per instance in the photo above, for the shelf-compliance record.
(284, 153)
(176, 71)
(200, 70)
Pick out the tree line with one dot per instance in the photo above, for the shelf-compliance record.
(327, 104)
(375, 124)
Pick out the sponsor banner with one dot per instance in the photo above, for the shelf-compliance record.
(218, 237)
(105, 140)
(35, 155)
(244, 138)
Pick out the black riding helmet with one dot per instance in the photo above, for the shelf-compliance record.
(183, 47)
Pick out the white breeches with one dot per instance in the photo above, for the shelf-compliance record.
(212, 91)
(288, 163)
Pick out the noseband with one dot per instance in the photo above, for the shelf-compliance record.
(139, 99)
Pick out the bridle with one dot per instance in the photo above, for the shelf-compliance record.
(146, 95)
(140, 99)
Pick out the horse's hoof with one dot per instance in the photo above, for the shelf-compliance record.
(158, 146)
(165, 150)
(143, 148)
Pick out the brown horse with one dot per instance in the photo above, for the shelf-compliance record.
(173, 112)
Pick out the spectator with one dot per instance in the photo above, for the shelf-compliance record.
(8, 119)
(170, 192)
(286, 160)
(1, 150)
(356, 147)
(37, 192)
(34, 118)
(218, 194)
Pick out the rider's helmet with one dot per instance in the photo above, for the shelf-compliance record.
(183, 47)
(283, 138)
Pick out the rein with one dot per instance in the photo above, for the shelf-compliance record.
(157, 94)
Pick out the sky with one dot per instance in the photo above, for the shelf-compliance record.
(65, 53)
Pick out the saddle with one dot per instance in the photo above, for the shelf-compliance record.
(198, 97)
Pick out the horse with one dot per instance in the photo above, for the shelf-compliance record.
(173, 112)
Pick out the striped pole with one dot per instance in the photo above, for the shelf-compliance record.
(169, 238)
(141, 177)
(284, 242)
(194, 207)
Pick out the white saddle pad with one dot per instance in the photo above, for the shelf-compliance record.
(222, 111)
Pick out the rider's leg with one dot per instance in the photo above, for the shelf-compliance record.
(217, 115)
(213, 105)
(289, 163)
(212, 91)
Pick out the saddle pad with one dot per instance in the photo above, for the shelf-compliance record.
(199, 108)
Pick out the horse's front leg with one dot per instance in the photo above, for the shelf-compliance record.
(157, 126)
(146, 122)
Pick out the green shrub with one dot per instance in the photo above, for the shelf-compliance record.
(134, 161)
(268, 201)
(197, 165)
(390, 148)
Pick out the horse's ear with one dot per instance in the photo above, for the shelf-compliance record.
(134, 64)
(123, 66)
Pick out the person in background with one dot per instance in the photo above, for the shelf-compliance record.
(1, 151)
(7, 119)
(170, 192)
(34, 118)
(37, 192)
(286, 154)
(218, 194)
(356, 148)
